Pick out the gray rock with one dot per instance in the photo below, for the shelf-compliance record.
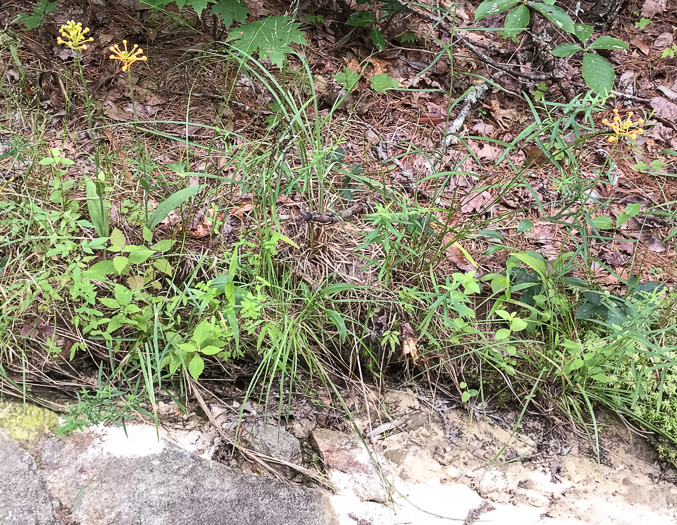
(142, 481)
(351, 466)
(273, 441)
(24, 499)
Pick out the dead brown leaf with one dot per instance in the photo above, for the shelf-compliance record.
(455, 255)
(409, 341)
(664, 108)
(653, 7)
(476, 203)
(640, 44)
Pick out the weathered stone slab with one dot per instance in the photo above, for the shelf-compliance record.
(111, 479)
(24, 499)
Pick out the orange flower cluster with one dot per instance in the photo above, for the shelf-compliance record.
(626, 128)
(74, 36)
(127, 56)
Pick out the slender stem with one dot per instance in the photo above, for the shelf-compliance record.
(136, 136)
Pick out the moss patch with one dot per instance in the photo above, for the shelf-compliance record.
(26, 422)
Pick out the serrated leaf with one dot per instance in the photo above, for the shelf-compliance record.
(119, 264)
(198, 5)
(583, 32)
(557, 16)
(140, 255)
(517, 20)
(170, 203)
(230, 11)
(123, 295)
(270, 37)
(383, 82)
(608, 42)
(348, 79)
(196, 366)
(162, 265)
(598, 74)
(493, 7)
(566, 50)
(117, 240)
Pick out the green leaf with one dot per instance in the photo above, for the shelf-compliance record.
(123, 295)
(465, 397)
(566, 50)
(378, 39)
(99, 271)
(608, 42)
(271, 37)
(348, 79)
(502, 334)
(210, 350)
(198, 5)
(98, 211)
(383, 82)
(598, 74)
(202, 332)
(633, 209)
(524, 226)
(518, 325)
(583, 32)
(517, 20)
(163, 245)
(117, 240)
(140, 254)
(360, 19)
(162, 265)
(135, 282)
(602, 223)
(109, 302)
(338, 321)
(557, 16)
(230, 11)
(493, 7)
(643, 22)
(120, 263)
(196, 366)
(170, 203)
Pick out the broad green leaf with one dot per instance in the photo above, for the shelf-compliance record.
(517, 20)
(381, 83)
(117, 240)
(633, 209)
(602, 223)
(99, 271)
(583, 32)
(524, 226)
(162, 265)
(598, 74)
(202, 332)
(347, 78)
(230, 11)
(465, 397)
(378, 39)
(557, 16)
(608, 42)
(517, 325)
(198, 5)
(140, 254)
(120, 263)
(170, 203)
(196, 366)
(210, 350)
(270, 37)
(493, 7)
(98, 210)
(502, 334)
(109, 302)
(123, 295)
(163, 245)
(566, 50)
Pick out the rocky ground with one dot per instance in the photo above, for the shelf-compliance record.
(423, 465)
